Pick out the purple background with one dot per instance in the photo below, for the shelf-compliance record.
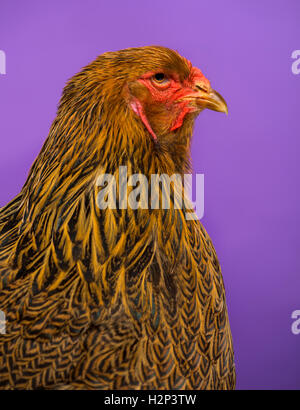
(250, 158)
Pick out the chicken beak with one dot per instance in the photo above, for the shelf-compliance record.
(208, 98)
(214, 101)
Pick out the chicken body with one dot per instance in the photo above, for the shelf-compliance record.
(111, 298)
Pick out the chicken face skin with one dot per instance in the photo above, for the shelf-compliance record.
(163, 99)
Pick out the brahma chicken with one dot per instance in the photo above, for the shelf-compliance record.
(114, 298)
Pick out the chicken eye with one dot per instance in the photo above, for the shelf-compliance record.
(159, 77)
(161, 81)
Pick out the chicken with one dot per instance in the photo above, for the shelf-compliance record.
(114, 298)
